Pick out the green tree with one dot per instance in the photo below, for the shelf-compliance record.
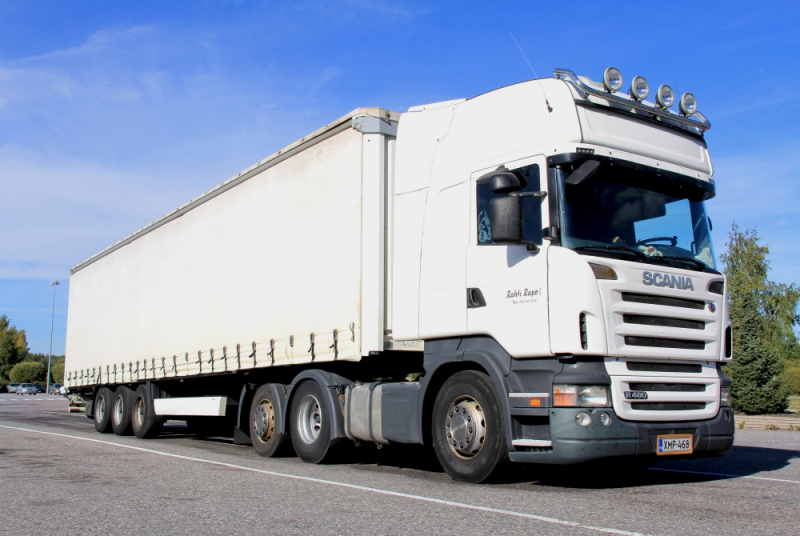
(13, 346)
(57, 372)
(763, 314)
(28, 371)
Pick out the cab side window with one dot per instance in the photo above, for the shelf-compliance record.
(530, 179)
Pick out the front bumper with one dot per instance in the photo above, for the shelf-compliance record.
(572, 443)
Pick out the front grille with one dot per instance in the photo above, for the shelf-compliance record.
(665, 367)
(668, 406)
(651, 299)
(668, 387)
(655, 342)
(646, 320)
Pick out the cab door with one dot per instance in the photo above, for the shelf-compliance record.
(507, 296)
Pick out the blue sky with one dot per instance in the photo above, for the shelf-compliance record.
(114, 113)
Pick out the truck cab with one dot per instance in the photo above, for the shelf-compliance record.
(564, 238)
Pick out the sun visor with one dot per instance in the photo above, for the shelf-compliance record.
(615, 131)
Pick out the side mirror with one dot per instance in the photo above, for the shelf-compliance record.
(505, 219)
(503, 183)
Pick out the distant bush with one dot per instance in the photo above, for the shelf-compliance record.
(791, 375)
(57, 372)
(28, 372)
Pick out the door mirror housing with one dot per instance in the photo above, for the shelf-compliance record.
(505, 217)
(503, 183)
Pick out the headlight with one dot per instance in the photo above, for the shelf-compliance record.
(612, 79)
(581, 396)
(688, 104)
(665, 96)
(640, 89)
(725, 397)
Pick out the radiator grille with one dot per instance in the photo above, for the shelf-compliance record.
(647, 320)
(668, 387)
(684, 368)
(663, 300)
(656, 342)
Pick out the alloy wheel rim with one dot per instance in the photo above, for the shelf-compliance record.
(309, 419)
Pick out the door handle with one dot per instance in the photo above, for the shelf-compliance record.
(475, 298)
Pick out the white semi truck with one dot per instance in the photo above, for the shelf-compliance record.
(524, 275)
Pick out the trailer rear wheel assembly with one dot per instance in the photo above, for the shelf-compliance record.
(121, 411)
(311, 423)
(102, 410)
(146, 424)
(467, 427)
(264, 434)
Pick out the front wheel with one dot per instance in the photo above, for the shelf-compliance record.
(467, 427)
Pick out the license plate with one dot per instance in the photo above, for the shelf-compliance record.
(674, 444)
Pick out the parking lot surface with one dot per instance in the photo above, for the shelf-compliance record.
(60, 476)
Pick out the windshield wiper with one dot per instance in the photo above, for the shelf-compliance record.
(700, 264)
(623, 249)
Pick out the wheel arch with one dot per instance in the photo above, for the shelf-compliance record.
(444, 358)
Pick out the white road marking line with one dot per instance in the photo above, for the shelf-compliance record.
(723, 475)
(344, 485)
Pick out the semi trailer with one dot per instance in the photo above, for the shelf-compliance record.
(526, 275)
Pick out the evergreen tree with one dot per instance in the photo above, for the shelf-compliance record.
(756, 371)
(763, 314)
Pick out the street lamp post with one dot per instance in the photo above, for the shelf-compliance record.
(52, 321)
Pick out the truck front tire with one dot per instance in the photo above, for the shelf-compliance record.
(311, 423)
(262, 422)
(102, 410)
(146, 424)
(121, 411)
(467, 427)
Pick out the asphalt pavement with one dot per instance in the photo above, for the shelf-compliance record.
(57, 475)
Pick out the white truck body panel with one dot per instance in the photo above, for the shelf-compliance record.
(296, 249)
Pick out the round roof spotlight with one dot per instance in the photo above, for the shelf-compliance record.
(688, 104)
(640, 89)
(612, 79)
(665, 96)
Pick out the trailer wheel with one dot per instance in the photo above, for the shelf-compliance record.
(266, 439)
(310, 423)
(146, 424)
(102, 410)
(121, 411)
(467, 427)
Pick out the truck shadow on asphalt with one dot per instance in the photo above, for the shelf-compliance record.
(421, 461)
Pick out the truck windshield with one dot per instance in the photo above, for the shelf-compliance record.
(645, 215)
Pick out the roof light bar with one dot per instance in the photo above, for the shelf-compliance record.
(593, 94)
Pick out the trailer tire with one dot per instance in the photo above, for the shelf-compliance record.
(467, 427)
(102, 410)
(121, 411)
(262, 423)
(146, 424)
(310, 423)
